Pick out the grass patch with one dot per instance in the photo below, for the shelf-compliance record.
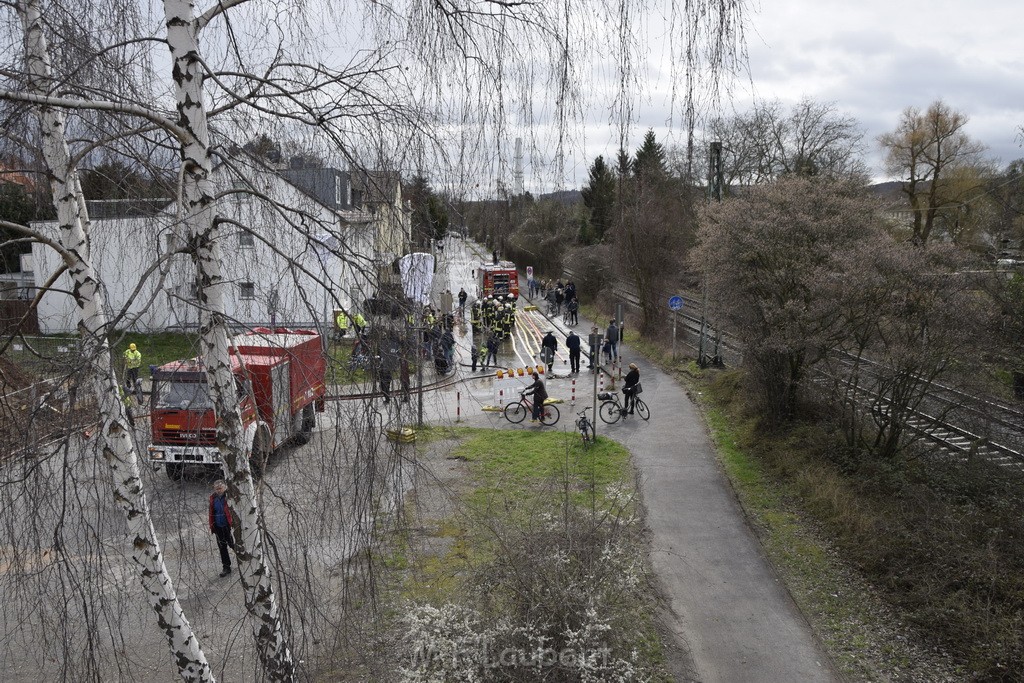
(545, 549)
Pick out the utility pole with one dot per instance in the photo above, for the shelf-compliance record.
(716, 179)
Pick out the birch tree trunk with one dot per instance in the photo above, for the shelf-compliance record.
(115, 436)
(197, 194)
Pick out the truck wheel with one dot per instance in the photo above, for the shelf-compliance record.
(308, 423)
(174, 470)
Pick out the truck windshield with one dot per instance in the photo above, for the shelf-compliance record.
(183, 395)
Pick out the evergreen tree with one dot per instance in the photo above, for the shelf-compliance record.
(649, 161)
(599, 197)
(623, 164)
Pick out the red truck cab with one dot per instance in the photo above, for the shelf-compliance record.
(280, 377)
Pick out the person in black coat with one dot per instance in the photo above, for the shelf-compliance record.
(548, 346)
(572, 342)
(630, 386)
(540, 394)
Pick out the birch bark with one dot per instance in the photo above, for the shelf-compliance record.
(116, 443)
(197, 208)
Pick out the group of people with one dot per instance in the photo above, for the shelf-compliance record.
(561, 298)
(494, 314)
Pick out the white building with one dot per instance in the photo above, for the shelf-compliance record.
(292, 251)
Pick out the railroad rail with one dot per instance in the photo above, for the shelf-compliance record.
(957, 439)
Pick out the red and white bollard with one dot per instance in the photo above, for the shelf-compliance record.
(573, 402)
(501, 397)
(600, 386)
(458, 406)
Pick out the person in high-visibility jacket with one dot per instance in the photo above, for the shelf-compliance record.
(475, 317)
(359, 322)
(343, 322)
(132, 361)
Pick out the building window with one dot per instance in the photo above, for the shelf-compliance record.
(247, 291)
(246, 239)
(337, 191)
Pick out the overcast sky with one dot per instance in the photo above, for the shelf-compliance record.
(872, 58)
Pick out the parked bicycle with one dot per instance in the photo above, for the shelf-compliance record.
(517, 412)
(586, 428)
(611, 409)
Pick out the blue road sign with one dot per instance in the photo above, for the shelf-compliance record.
(676, 303)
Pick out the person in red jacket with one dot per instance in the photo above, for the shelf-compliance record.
(220, 523)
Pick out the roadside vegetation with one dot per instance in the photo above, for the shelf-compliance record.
(528, 565)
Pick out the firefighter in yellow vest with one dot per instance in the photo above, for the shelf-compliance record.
(474, 317)
(132, 361)
(359, 322)
(342, 321)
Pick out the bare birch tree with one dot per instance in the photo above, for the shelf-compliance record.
(117, 447)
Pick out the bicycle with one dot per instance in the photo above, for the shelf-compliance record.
(517, 412)
(567, 317)
(586, 428)
(611, 409)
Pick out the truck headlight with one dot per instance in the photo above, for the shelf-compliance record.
(155, 454)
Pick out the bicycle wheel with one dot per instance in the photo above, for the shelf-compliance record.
(549, 415)
(516, 412)
(610, 412)
(641, 409)
(587, 432)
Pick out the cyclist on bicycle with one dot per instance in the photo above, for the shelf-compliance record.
(539, 393)
(630, 387)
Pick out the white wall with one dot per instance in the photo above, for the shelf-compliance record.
(284, 261)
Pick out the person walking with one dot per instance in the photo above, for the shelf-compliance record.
(572, 342)
(594, 340)
(220, 524)
(462, 301)
(539, 393)
(611, 336)
(474, 355)
(574, 311)
(548, 347)
(132, 361)
(492, 351)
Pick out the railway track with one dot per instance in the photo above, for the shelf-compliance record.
(963, 425)
(942, 417)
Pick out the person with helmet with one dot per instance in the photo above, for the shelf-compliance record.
(475, 317)
(132, 361)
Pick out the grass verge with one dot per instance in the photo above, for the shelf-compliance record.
(539, 552)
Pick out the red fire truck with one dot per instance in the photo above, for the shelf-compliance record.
(280, 375)
(498, 279)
